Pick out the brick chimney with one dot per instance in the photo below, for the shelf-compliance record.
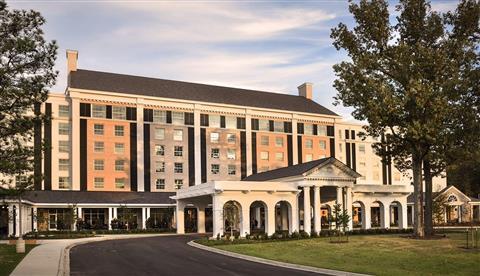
(72, 58)
(306, 90)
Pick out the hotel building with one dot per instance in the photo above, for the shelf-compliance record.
(179, 152)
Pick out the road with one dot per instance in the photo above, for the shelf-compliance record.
(166, 255)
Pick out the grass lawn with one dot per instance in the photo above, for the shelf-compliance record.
(378, 255)
(9, 258)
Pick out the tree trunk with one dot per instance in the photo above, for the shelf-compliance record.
(418, 230)
(428, 198)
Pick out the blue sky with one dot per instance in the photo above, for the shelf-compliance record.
(266, 45)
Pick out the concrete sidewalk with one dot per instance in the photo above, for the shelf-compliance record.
(51, 257)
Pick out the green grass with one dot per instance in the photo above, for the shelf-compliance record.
(9, 259)
(378, 255)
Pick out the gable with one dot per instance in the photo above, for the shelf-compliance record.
(454, 195)
(332, 170)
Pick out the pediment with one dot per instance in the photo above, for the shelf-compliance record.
(455, 196)
(332, 170)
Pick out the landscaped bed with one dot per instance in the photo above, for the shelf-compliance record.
(9, 259)
(372, 254)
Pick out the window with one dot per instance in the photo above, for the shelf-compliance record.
(230, 122)
(120, 183)
(63, 164)
(232, 170)
(214, 137)
(322, 145)
(264, 125)
(120, 165)
(160, 133)
(159, 150)
(63, 128)
(178, 168)
(215, 153)
(178, 151)
(178, 183)
(308, 143)
(279, 141)
(278, 126)
(63, 146)
(63, 111)
(159, 167)
(279, 156)
(178, 118)
(362, 164)
(214, 120)
(119, 112)
(119, 131)
(215, 169)
(99, 111)
(340, 133)
(160, 116)
(264, 140)
(264, 155)
(178, 135)
(98, 165)
(119, 148)
(361, 148)
(231, 154)
(308, 129)
(98, 146)
(231, 138)
(98, 129)
(308, 157)
(64, 182)
(322, 130)
(98, 182)
(21, 181)
(160, 184)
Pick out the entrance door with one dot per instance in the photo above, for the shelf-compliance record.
(3, 221)
(190, 220)
(52, 221)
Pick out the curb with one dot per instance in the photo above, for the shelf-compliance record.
(274, 263)
(64, 262)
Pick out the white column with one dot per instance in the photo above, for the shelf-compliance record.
(459, 208)
(349, 206)
(217, 213)
(79, 213)
(17, 220)
(478, 210)
(248, 134)
(258, 217)
(144, 219)
(294, 224)
(34, 218)
(75, 144)
(180, 217)
(284, 214)
(339, 199)
(197, 145)
(403, 213)
(148, 212)
(294, 141)
(270, 219)
(140, 161)
(316, 209)
(307, 227)
(245, 220)
(367, 216)
(201, 219)
(114, 212)
(385, 215)
(110, 218)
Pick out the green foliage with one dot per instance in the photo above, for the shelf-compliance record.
(415, 81)
(26, 73)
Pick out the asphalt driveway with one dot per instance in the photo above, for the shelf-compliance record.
(166, 255)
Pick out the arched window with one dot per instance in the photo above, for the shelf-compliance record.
(452, 198)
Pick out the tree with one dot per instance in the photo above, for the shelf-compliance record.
(438, 208)
(403, 79)
(26, 73)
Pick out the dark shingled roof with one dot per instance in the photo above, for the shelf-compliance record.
(410, 198)
(110, 82)
(75, 197)
(288, 171)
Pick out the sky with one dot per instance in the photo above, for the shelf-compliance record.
(263, 45)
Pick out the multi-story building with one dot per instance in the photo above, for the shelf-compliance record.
(160, 148)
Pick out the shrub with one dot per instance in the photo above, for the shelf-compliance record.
(304, 235)
(314, 234)
(295, 235)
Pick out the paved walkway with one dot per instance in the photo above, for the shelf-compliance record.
(163, 256)
(48, 259)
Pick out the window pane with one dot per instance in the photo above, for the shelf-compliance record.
(119, 112)
(215, 169)
(231, 154)
(264, 155)
(215, 153)
(279, 141)
(322, 130)
(64, 182)
(264, 125)
(230, 122)
(178, 118)
(214, 137)
(308, 157)
(119, 165)
(119, 148)
(178, 183)
(63, 111)
(178, 151)
(232, 169)
(119, 131)
(63, 128)
(63, 146)
(98, 129)
(99, 111)
(160, 133)
(160, 184)
(63, 164)
(98, 146)
(308, 129)
(160, 116)
(279, 156)
(159, 150)
(159, 167)
(214, 120)
(178, 135)
(264, 140)
(120, 183)
(308, 143)
(98, 165)
(231, 138)
(278, 126)
(98, 182)
(178, 168)
(323, 145)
